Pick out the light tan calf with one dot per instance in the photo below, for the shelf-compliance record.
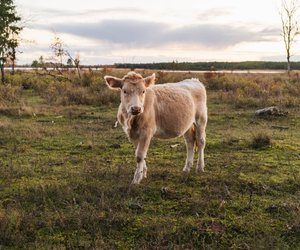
(164, 111)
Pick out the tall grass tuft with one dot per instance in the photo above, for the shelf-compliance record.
(260, 140)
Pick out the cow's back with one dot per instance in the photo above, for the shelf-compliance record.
(176, 106)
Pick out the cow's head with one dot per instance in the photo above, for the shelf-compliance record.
(133, 89)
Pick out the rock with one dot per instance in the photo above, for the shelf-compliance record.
(270, 111)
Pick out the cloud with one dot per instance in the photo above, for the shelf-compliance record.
(213, 13)
(212, 35)
(144, 34)
(126, 32)
(44, 17)
(86, 12)
(271, 31)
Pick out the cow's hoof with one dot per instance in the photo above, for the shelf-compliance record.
(199, 170)
(187, 168)
(145, 174)
(134, 182)
(185, 172)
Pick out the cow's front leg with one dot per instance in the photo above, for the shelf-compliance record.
(145, 166)
(145, 170)
(140, 154)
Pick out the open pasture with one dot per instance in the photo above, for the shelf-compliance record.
(65, 172)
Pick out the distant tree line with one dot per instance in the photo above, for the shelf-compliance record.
(247, 65)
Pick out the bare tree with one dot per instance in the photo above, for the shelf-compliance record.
(290, 28)
(58, 48)
(13, 44)
(75, 61)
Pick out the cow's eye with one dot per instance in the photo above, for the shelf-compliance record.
(124, 92)
(143, 91)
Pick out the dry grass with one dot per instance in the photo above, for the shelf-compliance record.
(252, 90)
(12, 102)
(240, 90)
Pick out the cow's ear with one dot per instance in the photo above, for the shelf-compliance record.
(150, 80)
(113, 82)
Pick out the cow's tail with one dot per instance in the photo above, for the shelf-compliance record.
(196, 146)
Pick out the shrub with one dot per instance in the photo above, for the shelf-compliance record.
(11, 101)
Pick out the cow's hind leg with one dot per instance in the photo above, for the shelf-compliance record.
(190, 139)
(200, 140)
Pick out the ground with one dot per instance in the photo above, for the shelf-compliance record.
(66, 174)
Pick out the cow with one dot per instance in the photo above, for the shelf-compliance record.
(163, 111)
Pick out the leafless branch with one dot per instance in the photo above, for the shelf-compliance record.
(289, 25)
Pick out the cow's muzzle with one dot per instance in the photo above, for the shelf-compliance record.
(135, 110)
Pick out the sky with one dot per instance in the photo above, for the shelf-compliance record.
(138, 31)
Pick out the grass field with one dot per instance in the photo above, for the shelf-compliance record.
(66, 173)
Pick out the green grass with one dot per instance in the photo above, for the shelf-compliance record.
(66, 173)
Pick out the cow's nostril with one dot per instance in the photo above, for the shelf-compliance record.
(136, 110)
